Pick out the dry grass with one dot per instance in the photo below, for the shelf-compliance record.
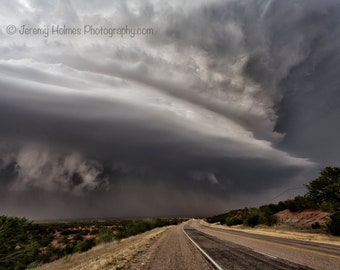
(113, 255)
(283, 231)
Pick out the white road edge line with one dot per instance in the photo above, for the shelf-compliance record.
(265, 254)
(203, 252)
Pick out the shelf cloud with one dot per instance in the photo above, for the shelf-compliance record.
(206, 107)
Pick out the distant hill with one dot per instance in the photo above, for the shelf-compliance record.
(319, 208)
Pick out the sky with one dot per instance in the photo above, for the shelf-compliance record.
(157, 108)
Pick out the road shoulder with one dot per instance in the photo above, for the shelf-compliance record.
(310, 237)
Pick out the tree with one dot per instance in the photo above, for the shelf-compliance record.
(19, 244)
(300, 203)
(334, 224)
(325, 190)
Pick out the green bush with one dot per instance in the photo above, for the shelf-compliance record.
(334, 224)
(233, 221)
(105, 235)
(84, 245)
(253, 220)
(270, 209)
(316, 225)
(137, 227)
(69, 249)
(271, 220)
(267, 213)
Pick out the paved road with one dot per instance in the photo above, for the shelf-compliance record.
(240, 250)
(174, 251)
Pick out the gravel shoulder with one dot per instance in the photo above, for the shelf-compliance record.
(173, 250)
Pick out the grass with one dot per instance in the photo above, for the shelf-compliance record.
(114, 255)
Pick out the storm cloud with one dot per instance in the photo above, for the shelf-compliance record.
(223, 104)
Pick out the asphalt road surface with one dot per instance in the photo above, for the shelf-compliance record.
(183, 246)
(240, 250)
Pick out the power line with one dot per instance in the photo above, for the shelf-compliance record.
(283, 192)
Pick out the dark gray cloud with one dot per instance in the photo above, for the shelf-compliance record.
(226, 105)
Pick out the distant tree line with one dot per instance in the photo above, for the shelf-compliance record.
(323, 193)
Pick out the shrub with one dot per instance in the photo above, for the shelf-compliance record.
(105, 235)
(84, 245)
(69, 249)
(334, 224)
(300, 203)
(253, 220)
(233, 221)
(271, 220)
(316, 225)
(268, 214)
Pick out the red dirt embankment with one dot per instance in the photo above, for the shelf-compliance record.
(304, 218)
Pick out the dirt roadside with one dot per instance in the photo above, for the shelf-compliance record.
(115, 255)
